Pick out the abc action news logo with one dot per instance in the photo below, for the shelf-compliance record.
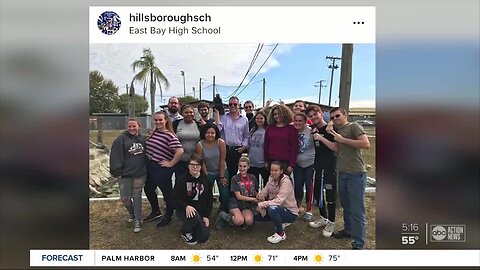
(447, 233)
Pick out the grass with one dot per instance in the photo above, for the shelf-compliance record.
(109, 229)
(108, 136)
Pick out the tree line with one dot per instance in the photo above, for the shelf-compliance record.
(104, 97)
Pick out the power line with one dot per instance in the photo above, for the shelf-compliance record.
(255, 56)
(259, 69)
(261, 91)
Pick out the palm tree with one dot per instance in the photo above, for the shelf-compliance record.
(149, 74)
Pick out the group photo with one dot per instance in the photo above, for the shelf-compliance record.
(232, 146)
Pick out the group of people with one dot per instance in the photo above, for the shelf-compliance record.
(233, 150)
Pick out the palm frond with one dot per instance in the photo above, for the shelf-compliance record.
(161, 78)
(138, 64)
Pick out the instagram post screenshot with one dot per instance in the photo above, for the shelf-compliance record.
(251, 136)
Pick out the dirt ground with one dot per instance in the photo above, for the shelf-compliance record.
(109, 229)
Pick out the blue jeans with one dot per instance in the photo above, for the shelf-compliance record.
(278, 215)
(351, 188)
(223, 190)
(302, 177)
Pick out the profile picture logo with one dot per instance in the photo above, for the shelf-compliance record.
(109, 22)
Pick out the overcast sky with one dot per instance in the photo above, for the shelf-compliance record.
(290, 72)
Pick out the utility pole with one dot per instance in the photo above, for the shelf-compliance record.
(129, 93)
(193, 88)
(183, 75)
(213, 87)
(200, 88)
(346, 76)
(319, 89)
(333, 67)
(131, 100)
(263, 105)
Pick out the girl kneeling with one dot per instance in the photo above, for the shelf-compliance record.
(277, 202)
(245, 188)
(193, 202)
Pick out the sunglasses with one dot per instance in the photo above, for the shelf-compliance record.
(233, 104)
(248, 107)
(336, 116)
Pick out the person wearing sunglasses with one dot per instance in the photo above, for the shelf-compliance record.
(352, 174)
(249, 107)
(235, 132)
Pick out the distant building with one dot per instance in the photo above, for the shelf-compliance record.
(362, 113)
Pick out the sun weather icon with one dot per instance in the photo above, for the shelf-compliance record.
(318, 258)
(109, 22)
(196, 258)
(257, 258)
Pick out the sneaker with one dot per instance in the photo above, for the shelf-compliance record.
(225, 216)
(308, 217)
(152, 216)
(219, 223)
(188, 237)
(329, 229)
(137, 226)
(341, 234)
(164, 222)
(321, 221)
(131, 218)
(284, 225)
(275, 238)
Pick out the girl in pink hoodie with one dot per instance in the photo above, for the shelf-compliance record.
(277, 202)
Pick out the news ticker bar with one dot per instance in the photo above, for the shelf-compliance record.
(221, 24)
(61, 258)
